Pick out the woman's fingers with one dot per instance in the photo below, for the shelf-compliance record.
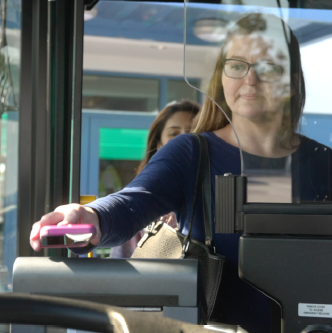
(67, 214)
(48, 219)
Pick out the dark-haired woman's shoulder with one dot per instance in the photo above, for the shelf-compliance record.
(184, 147)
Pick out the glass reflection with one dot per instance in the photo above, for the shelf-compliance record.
(254, 73)
(133, 67)
(260, 104)
(10, 14)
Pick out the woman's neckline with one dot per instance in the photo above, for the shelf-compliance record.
(249, 154)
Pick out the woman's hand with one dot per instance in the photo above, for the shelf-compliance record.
(67, 214)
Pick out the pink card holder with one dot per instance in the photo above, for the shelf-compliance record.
(71, 235)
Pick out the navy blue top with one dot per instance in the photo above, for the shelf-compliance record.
(167, 184)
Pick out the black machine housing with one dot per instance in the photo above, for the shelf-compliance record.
(285, 251)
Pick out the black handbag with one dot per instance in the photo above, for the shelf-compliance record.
(162, 241)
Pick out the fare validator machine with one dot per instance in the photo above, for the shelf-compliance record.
(285, 251)
(168, 287)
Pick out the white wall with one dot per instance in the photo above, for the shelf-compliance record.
(317, 67)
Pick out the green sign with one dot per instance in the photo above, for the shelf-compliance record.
(122, 143)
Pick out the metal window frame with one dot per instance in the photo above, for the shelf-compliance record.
(50, 111)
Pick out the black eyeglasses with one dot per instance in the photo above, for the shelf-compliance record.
(266, 72)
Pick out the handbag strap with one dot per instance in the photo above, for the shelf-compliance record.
(207, 198)
(203, 182)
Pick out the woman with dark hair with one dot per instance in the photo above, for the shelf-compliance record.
(173, 120)
(258, 81)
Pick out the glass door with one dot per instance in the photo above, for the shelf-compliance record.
(9, 132)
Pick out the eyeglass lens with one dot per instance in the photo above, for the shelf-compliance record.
(238, 69)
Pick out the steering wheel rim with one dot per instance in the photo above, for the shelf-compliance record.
(19, 308)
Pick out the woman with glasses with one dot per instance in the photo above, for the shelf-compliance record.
(259, 86)
(258, 82)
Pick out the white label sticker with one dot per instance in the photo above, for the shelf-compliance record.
(315, 310)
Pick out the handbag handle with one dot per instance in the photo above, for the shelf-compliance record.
(203, 182)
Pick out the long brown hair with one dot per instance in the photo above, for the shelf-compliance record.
(210, 118)
(159, 124)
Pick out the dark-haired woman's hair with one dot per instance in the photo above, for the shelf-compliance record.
(159, 123)
(211, 118)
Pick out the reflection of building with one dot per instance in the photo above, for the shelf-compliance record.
(8, 194)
